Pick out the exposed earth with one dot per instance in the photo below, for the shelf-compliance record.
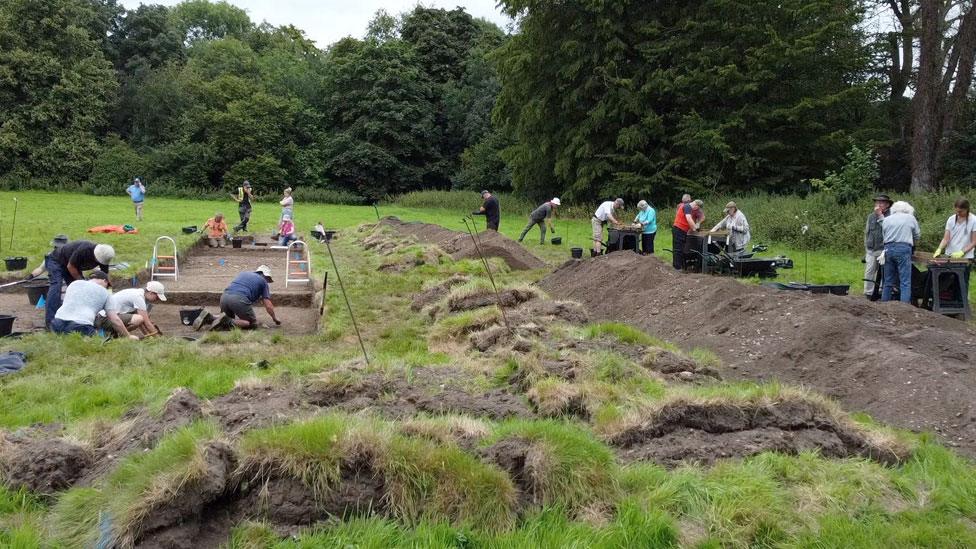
(905, 366)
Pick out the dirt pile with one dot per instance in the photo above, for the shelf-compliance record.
(428, 390)
(905, 366)
(460, 246)
(707, 431)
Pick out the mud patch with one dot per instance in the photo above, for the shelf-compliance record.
(246, 408)
(524, 462)
(677, 366)
(460, 246)
(44, 466)
(706, 432)
(428, 390)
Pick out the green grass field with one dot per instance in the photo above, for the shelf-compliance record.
(443, 496)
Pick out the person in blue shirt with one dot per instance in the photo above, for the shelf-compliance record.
(237, 301)
(137, 191)
(647, 219)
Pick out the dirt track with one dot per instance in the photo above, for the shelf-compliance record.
(460, 246)
(908, 367)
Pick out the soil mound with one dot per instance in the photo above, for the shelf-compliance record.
(429, 390)
(905, 366)
(45, 466)
(460, 246)
(706, 432)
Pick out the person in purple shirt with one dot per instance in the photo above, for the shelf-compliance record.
(237, 301)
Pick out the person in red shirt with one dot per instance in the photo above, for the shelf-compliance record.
(687, 218)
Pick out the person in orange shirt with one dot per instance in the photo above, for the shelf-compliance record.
(216, 229)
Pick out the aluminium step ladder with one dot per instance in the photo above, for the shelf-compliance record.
(298, 263)
(164, 266)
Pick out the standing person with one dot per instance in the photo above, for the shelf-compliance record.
(287, 204)
(243, 199)
(874, 242)
(128, 310)
(238, 299)
(737, 225)
(684, 223)
(82, 302)
(959, 239)
(647, 219)
(137, 191)
(286, 231)
(216, 228)
(68, 264)
(489, 208)
(602, 216)
(542, 216)
(901, 233)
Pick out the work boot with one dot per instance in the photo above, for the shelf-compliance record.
(223, 324)
(594, 253)
(206, 318)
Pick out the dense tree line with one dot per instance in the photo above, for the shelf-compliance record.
(586, 99)
(199, 97)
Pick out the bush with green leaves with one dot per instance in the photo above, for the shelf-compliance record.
(855, 180)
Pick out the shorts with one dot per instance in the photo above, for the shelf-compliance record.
(237, 306)
(103, 323)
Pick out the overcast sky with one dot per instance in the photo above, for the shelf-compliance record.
(326, 21)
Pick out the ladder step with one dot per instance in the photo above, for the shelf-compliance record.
(302, 262)
(159, 268)
(165, 257)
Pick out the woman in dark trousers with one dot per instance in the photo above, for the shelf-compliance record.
(243, 198)
(647, 218)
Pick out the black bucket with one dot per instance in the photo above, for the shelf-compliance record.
(6, 325)
(187, 316)
(329, 235)
(577, 253)
(557, 240)
(190, 230)
(16, 263)
(236, 242)
(317, 235)
(35, 290)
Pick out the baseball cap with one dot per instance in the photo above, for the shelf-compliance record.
(247, 184)
(59, 240)
(157, 288)
(99, 275)
(266, 271)
(556, 201)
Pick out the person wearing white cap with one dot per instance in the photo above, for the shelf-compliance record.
(237, 302)
(737, 225)
(542, 216)
(127, 310)
(68, 264)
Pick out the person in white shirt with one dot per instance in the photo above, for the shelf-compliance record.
(602, 216)
(82, 302)
(128, 310)
(738, 227)
(287, 204)
(960, 233)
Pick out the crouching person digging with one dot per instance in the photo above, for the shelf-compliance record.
(237, 302)
(128, 310)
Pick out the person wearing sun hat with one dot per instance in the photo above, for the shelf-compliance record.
(127, 310)
(542, 216)
(874, 241)
(737, 225)
(237, 301)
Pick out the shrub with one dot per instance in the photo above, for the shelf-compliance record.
(855, 180)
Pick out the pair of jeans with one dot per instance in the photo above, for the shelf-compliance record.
(647, 243)
(897, 267)
(283, 240)
(57, 275)
(679, 239)
(59, 326)
(542, 230)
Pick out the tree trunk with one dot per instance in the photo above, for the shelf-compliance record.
(927, 104)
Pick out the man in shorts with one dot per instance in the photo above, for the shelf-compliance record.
(237, 301)
(128, 310)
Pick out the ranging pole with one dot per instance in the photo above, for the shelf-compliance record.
(348, 305)
(477, 246)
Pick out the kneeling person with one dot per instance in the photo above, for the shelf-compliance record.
(237, 302)
(128, 310)
(82, 302)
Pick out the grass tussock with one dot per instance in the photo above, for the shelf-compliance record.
(466, 322)
(625, 333)
(422, 479)
(568, 466)
(446, 429)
